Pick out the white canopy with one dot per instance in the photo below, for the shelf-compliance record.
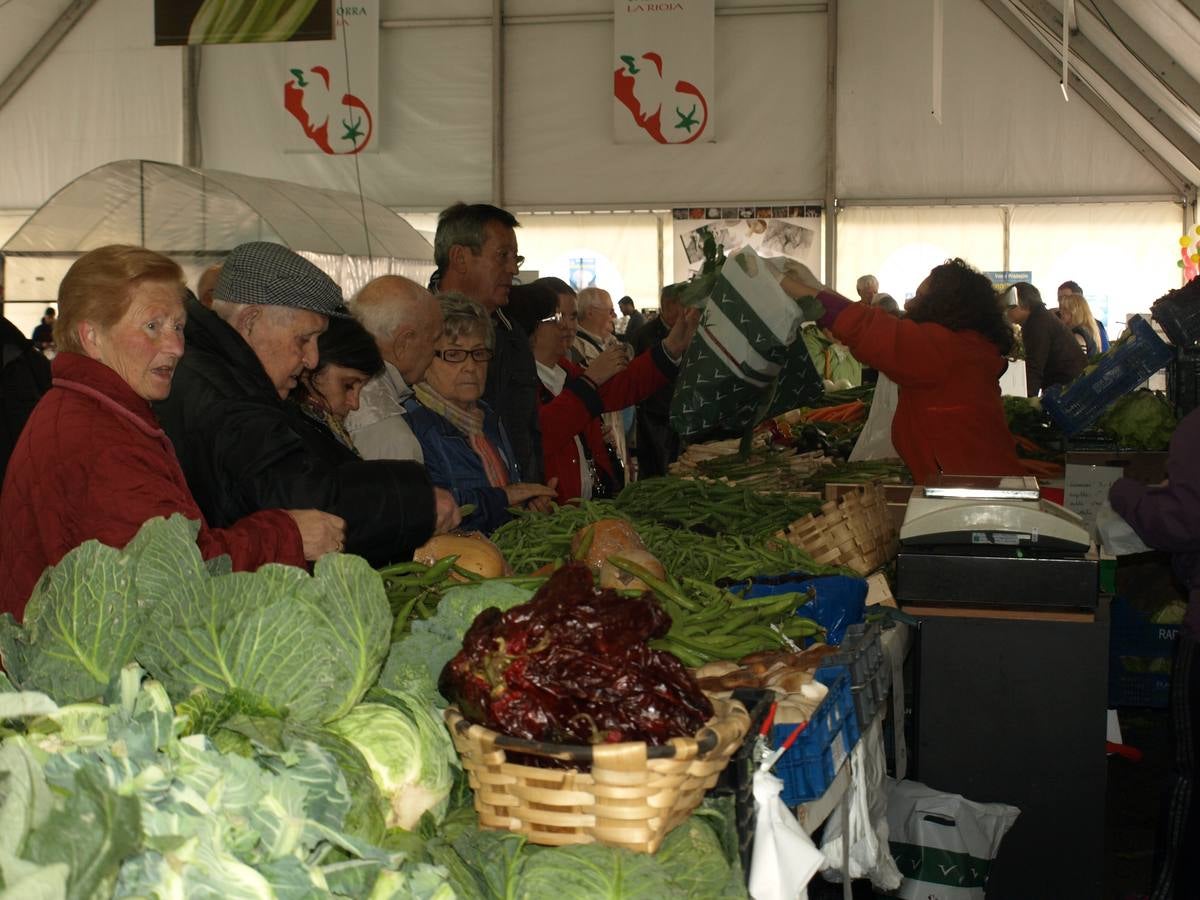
(197, 216)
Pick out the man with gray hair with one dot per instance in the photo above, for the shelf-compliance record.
(244, 446)
(406, 322)
(475, 249)
(867, 287)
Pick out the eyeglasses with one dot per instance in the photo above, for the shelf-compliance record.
(458, 355)
(553, 317)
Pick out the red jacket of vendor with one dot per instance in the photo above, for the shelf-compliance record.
(577, 408)
(92, 462)
(949, 417)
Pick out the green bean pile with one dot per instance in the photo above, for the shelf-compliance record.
(712, 505)
(886, 470)
(709, 623)
(532, 540)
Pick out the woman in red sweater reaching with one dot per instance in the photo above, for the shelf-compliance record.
(946, 355)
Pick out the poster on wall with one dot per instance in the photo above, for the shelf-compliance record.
(791, 231)
(663, 84)
(179, 22)
(330, 89)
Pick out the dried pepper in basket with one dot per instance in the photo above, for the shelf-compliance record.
(573, 666)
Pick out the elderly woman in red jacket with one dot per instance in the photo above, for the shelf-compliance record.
(92, 461)
(572, 398)
(946, 356)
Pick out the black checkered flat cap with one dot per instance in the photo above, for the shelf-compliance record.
(264, 273)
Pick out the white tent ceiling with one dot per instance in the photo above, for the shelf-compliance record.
(82, 85)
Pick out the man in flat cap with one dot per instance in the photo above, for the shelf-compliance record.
(244, 446)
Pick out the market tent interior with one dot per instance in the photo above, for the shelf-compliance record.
(924, 129)
(197, 216)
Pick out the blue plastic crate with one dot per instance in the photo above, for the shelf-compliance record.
(1126, 366)
(861, 651)
(1139, 657)
(809, 767)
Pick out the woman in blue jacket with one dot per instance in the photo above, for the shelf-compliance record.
(466, 448)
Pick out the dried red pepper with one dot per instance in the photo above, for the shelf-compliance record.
(572, 666)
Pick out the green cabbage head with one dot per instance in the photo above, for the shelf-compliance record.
(409, 751)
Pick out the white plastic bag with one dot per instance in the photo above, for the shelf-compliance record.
(943, 843)
(1114, 534)
(784, 858)
(868, 828)
(875, 440)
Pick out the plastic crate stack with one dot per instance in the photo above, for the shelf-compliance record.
(1138, 356)
(1178, 312)
(861, 651)
(812, 763)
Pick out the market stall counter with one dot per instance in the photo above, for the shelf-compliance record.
(1010, 689)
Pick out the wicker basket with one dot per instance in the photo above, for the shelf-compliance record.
(631, 797)
(856, 530)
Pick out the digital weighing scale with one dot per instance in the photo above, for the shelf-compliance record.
(993, 541)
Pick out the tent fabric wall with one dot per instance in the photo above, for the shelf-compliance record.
(1122, 254)
(900, 244)
(105, 93)
(1006, 130)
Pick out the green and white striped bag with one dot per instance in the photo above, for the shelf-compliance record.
(746, 362)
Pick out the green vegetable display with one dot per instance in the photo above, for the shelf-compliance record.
(532, 540)
(1142, 420)
(310, 645)
(128, 808)
(697, 861)
(409, 753)
(713, 506)
(709, 623)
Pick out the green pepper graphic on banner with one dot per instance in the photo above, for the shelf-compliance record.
(745, 349)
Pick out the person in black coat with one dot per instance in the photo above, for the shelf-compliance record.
(475, 249)
(657, 441)
(24, 377)
(244, 446)
(1052, 355)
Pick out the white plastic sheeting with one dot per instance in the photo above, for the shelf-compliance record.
(197, 216)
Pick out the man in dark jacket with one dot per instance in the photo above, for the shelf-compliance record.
(657, 442)
(24, 377)
(245, 447)
(1052, 355)
(475, 249)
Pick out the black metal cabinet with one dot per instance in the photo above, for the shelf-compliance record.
(1012, 710)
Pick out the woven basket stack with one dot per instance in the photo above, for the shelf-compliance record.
(856, 530)
(624, 795)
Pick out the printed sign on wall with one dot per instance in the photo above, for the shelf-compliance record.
(663, 72)
(329, 90)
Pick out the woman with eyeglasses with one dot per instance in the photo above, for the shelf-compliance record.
(466, 448)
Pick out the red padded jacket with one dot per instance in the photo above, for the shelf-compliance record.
(92, 462)
(949, 416)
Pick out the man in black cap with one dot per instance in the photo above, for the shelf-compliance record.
(244, 446)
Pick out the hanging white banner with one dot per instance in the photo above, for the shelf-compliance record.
(663, 83)
(327, 106)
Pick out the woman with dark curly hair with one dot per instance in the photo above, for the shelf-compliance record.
(946, 355)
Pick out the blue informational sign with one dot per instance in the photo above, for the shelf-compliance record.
(1001, 280)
